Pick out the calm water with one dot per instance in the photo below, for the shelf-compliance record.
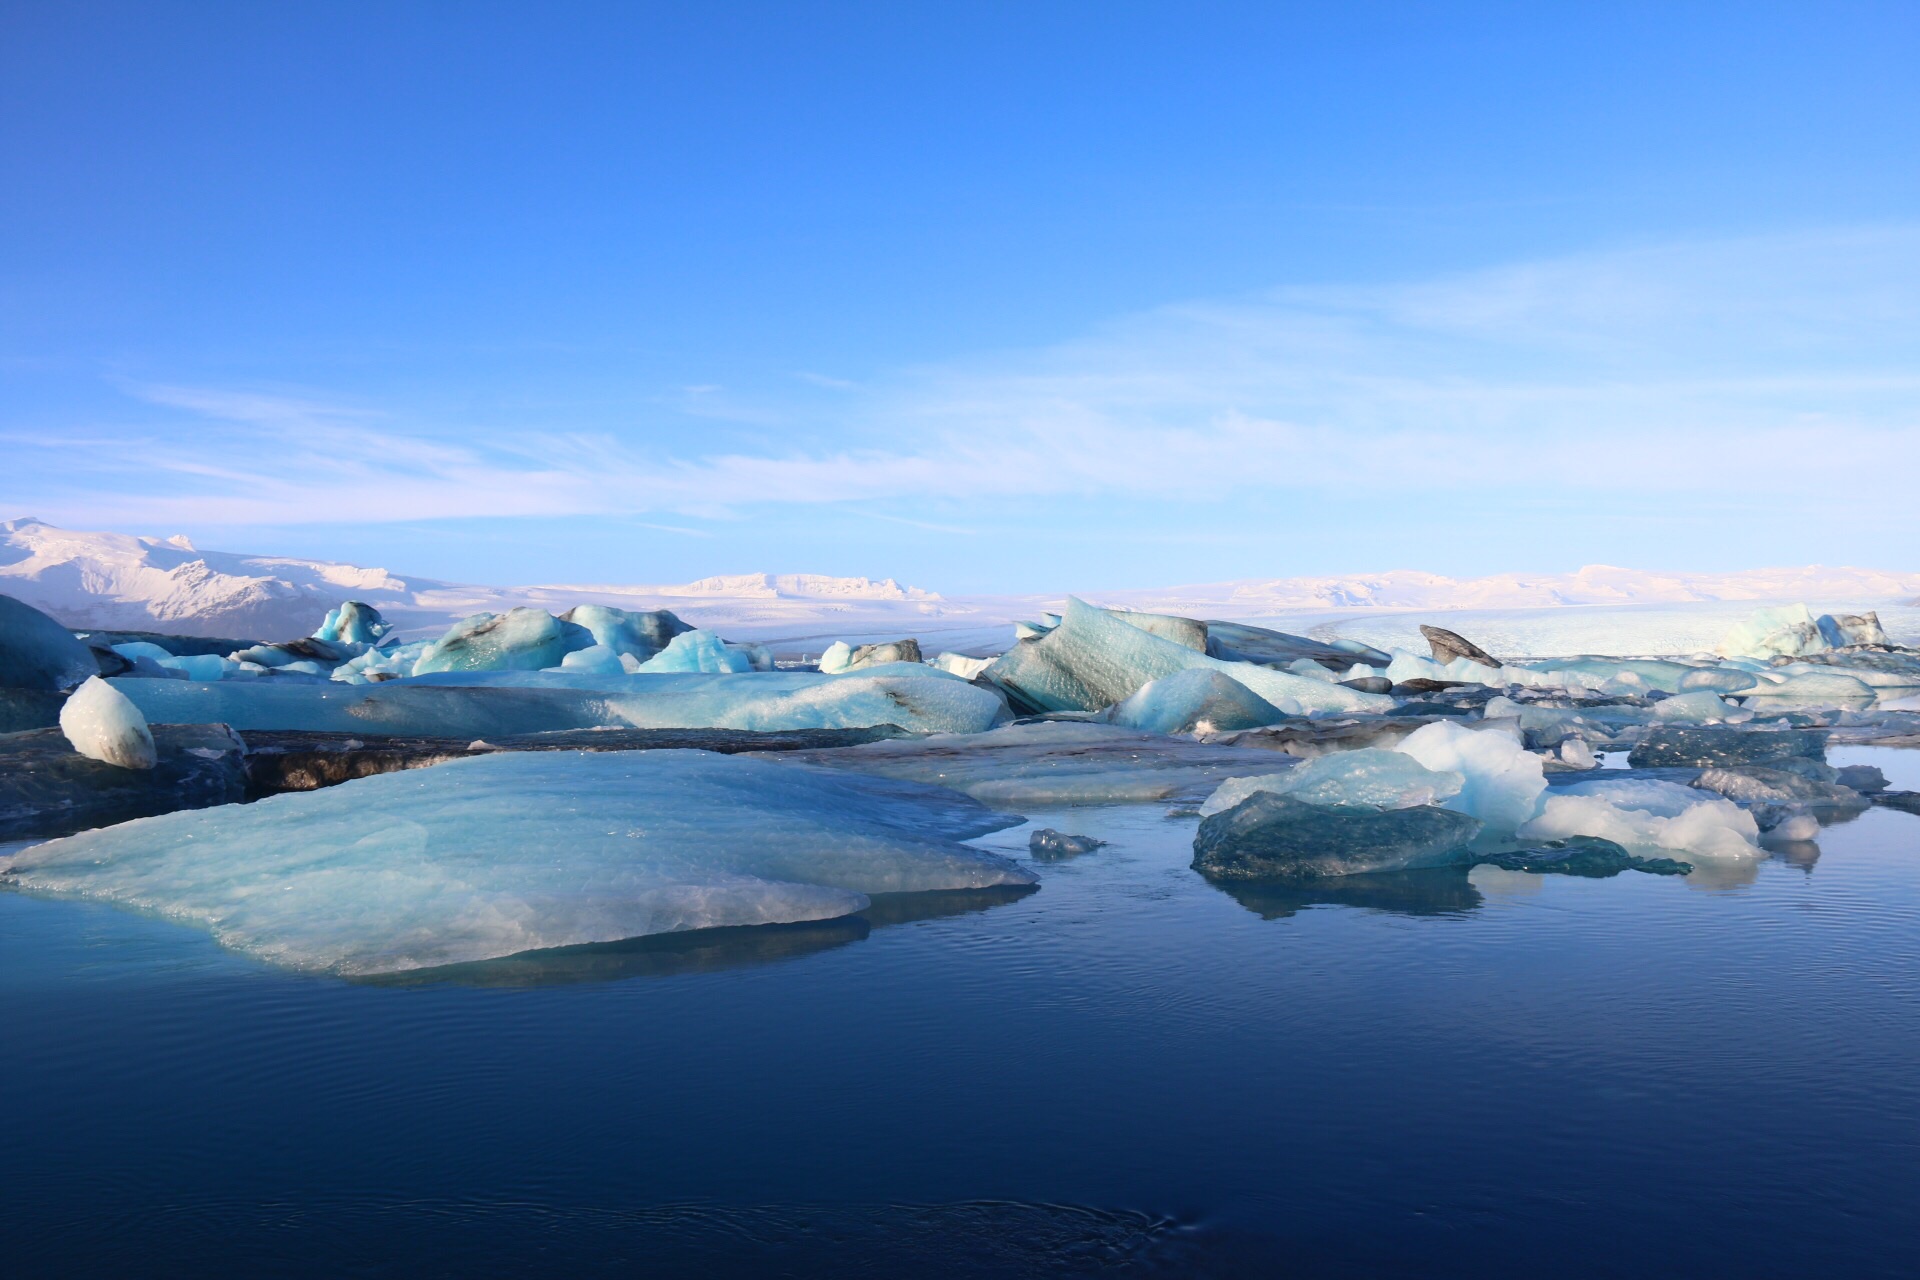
(1128, 1070)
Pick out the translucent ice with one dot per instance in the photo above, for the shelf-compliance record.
(518, 640)
(354, 623)
(640, 634)
(38, 653)
(959, 664)
(1093, 660)
(103, 725)
(1788, 630)
(1195, 700)
(1369, 777)
(495, 855)
(1503, 780)
(600, 660)
(1644, 815)
(701, 651)
(482, 704)
(1702, 706)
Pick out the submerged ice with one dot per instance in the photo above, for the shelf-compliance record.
(495, 855)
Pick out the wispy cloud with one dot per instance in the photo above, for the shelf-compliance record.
(1751, 373)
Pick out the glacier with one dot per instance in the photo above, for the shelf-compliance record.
(496, 855)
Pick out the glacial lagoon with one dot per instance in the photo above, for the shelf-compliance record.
(1127, 1071)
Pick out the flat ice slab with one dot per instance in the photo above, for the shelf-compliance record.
(497, 855)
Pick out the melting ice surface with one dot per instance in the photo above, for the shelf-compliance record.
(497, 855)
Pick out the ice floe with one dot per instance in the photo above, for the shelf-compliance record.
(496, 855)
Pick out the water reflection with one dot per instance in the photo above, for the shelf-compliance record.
(669, 955)
(1446, 891)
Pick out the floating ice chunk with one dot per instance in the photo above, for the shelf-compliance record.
(1370, 777)
(837, 658)
(1237, 642)
(1635, 673)
(103, 725)
(1057, 763)
(38, 653)
(1048, 845)
(518, 640)
(1717, 680)
(1645, 815)
(1842, 630)
(202, 666)
(596, 659)
(641, 634)
(697, 651)
(135, 649)
(1093, 660)
(1196, 700)
(1702, 706)
(484, 704)
(1788, 630)
(1276, 837)
(354, 622)
(495, 855)
(1812, 686)
(390, 663)
(758, 656)
(1503, 780)
(1679, 746)
(959, 664)
(1874, 677)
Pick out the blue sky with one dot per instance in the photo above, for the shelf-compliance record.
(985, 297)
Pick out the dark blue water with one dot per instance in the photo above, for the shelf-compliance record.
(1128, 1071)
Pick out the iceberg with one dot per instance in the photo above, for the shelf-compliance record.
(1785, 631)
(102, 724)
(1195, 700)
(518, 640)
(697, 651)
(488, 703)
(496, 855)
(1502, 781)
(1370, 777)
(354, 622)
(1641, 814)
(1702, 706)
(38, 653)
(599, 660)
(1275, 837)
(1844, 630)
(640, 635)
(1237, 642)
(1093, 660)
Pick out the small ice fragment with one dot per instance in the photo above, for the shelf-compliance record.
(103, 724)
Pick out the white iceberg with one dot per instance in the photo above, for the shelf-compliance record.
(1502, 780)
(102, 724)
(1647, 817)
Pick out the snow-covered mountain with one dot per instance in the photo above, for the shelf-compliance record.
(167, 584)
(112, 580)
